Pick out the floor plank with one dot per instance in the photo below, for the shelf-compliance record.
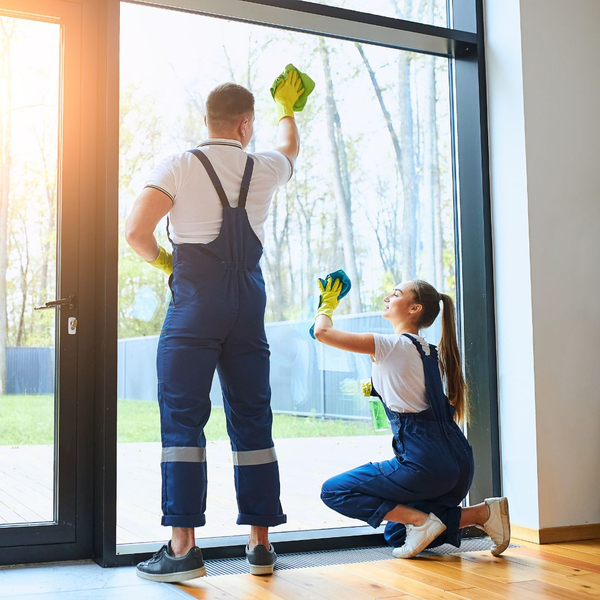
(548, 591)
(283, 588)
(382, 574)
(240, 588)
(590, 546)
(370, 588)
(561, 550)
(204, 590)
(312, 580)
(558, 558)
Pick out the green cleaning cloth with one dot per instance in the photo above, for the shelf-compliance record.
(307, 83)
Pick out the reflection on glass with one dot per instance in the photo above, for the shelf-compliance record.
(29, 94)
(372, 194)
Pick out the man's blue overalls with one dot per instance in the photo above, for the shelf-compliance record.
(432, 470)
(216, 320)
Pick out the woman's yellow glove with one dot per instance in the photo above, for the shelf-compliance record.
(286, 95)
(164, 261)
(330, 291)
(366, 386)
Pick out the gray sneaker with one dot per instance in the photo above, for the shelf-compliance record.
(261, 560)
(163, 566)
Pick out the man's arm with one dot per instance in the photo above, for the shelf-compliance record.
(149, 208)
(288, 139)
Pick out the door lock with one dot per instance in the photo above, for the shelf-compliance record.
(69, 302)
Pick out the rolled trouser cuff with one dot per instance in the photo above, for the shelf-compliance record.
(198, 520)
(261, 520)
(378, 516)
(453, 530)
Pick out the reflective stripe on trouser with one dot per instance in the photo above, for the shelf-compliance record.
(432, 470)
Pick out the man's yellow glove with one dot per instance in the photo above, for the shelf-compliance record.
(330, 291)
(286, 95)
(164, 261)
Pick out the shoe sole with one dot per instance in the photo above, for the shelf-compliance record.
(173, 577)
(505, 527)
(261, 569)
(423, 544)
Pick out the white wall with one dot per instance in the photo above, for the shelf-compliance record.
(544, 105)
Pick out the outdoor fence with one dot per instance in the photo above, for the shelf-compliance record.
(307, 378)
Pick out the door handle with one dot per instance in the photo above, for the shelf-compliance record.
(70, 303)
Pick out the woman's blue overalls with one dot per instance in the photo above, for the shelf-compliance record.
(216, 320)
(432, 470)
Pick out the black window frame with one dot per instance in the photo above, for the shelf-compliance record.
(472, 238)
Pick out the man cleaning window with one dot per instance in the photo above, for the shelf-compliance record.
(217, 198)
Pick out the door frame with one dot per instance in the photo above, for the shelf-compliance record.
(70, 535)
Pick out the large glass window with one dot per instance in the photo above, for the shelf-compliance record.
(372, 194)
(29, 148)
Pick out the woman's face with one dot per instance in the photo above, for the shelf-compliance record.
(399, 304)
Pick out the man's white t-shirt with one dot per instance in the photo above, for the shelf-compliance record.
(398, 374)
(197, 213)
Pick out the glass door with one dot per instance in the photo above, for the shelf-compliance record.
(39, 199)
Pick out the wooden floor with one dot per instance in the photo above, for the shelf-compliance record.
(569, 571)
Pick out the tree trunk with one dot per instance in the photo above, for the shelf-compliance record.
(408, 170)
(49, 236)
(341, 178)
(23, 251)
(274, 260)
(388, 245)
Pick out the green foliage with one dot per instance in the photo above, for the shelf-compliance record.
(30, 420)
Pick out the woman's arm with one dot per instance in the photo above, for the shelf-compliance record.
(363, 343)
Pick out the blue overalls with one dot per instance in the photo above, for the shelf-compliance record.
(216, 320)
(432, 470)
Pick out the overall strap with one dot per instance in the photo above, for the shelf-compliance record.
(212, 174)
(419, 346)
(433, 381)
(246, 181)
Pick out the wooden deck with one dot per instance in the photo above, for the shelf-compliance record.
(557, 571)
(26, 493)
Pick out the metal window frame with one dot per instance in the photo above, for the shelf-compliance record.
(68, 536)
(473, 241)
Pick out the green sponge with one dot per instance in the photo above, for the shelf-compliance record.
(307, 83)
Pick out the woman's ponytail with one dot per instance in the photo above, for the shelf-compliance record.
(450, 362)
(448, 351)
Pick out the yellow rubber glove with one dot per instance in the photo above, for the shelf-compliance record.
(329, 297)
(286, 95)
(365, 386)
(163, 262)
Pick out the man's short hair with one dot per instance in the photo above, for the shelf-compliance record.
(227, 104)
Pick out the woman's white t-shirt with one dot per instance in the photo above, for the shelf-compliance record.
(397, 372)
(197, 212)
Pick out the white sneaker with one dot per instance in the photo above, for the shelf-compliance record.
(498, 524)
(418, 538)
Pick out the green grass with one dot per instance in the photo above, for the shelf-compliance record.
(29, 420)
